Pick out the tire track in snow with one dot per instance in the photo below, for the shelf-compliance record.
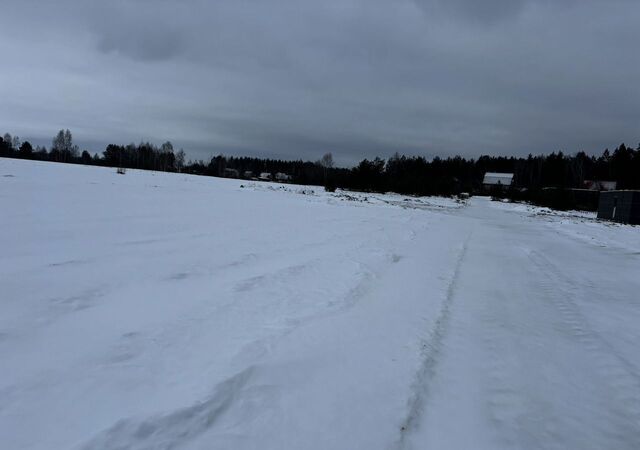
(519, 413)
(619, 376)
(431, 350)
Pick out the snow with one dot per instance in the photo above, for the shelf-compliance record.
(153, 310)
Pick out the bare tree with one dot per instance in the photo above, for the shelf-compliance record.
(167, 158)
(167, 147)
(63, 145)
(8, 140)
(180, 160)
(326, 161)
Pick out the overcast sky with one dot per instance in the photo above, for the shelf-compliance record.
(295, 78)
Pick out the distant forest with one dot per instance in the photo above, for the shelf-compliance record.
(409, 175)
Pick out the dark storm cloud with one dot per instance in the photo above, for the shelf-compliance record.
(295, 79)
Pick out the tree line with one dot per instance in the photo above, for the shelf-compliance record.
(409, 175)
(144, 156)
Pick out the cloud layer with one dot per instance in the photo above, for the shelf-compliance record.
(294, 79)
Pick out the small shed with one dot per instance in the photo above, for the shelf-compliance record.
(265, 176)
(494, 180)
(620, 206)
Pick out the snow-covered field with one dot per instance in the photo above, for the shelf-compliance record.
(164, 311)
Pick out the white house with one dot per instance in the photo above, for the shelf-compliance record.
(283, 177)
(492, 179)
(265, 176)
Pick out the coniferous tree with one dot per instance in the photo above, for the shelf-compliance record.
(26, 150)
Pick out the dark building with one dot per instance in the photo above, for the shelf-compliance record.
(231, 173)
(620, 206)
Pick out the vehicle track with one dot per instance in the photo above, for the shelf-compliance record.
(431, 352)
(618, 376)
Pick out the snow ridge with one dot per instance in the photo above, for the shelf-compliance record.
(172, 429)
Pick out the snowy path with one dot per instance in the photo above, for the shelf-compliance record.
(157, 311)
(541, 350)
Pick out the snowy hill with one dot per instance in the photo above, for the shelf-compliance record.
(155, 311)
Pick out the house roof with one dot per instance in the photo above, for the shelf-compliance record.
(495, 178)
(600, 185)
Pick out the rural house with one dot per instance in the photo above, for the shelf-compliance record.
(599, 185)
(231, 173)
(283, 177)
(496, 180)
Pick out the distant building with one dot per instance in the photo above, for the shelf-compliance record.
(231, 173)
(495, 180)
(620, 206)
(247, 174)
(283, 177)
(598, 185)
(265, 176)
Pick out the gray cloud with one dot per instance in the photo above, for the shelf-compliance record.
(295, 79)
(146, 43)
(487, 11)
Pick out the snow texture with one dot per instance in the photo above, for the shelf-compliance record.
(165, 311)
